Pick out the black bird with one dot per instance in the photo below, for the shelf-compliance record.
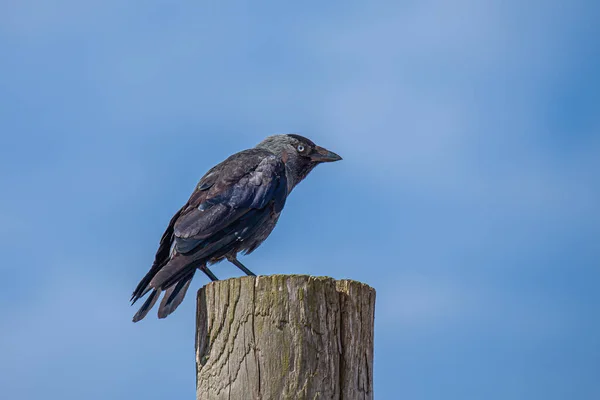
(234, 208)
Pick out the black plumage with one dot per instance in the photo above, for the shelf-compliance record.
(233, 209)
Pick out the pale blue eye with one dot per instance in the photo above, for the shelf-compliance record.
(300, 148)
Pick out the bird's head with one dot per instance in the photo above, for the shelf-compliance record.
(299, 154)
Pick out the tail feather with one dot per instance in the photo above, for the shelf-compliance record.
(173, 271)
(174, 279)
(147, 306)
(174, 295)
(176, 269)
(160, 259)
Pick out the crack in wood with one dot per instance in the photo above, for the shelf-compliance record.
(285, 337)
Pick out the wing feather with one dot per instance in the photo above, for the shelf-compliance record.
(229, 204)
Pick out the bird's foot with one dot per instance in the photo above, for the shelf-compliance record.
(208, 273)
(241, 266)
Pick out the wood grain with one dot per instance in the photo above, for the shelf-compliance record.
(285, 337)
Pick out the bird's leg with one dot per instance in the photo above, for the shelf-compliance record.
(208, 273)
(235, 261)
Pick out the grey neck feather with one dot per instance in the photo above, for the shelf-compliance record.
(296, 167)
(291, 184)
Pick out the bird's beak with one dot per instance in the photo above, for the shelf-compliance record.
(321, 154)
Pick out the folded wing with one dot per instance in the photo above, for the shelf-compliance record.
(228, 205)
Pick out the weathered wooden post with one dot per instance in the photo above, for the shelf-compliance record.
(285, 337)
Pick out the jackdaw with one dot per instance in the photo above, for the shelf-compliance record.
(233, 209)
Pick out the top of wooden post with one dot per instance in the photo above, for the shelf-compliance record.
(285, 337)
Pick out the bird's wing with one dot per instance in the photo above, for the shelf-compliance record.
(246, 188)
(246, 181)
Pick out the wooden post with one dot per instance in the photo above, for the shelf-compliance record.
(285, 337)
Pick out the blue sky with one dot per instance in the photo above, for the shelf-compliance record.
(468, 196)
